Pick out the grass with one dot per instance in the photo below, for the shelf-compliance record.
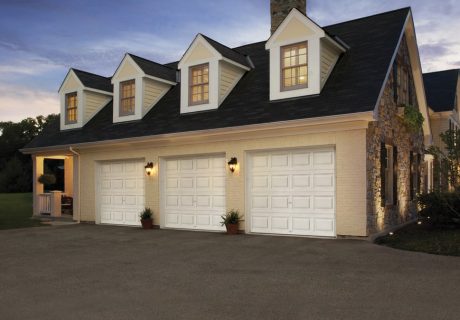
(425, 238)
(16, 210)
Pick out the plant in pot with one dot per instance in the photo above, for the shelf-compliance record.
(47, 179)
(230, 220)
(146, 218)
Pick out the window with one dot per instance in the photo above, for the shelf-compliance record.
(199, 84)
(71, 104)
(127, 97)
(388, 173)
(294, 66)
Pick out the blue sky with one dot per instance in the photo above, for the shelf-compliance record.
(41, 39)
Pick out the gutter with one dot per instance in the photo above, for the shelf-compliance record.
(79, 184)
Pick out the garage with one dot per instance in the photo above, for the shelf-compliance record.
(120, 186)
(292, 192)
(194, 192)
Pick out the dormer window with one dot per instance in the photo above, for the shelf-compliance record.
(127, 97)
(71, 105)
(294, 66)
(199, 84)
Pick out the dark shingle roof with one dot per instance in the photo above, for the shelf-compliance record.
(441, 89)
(155, 69)
(94, 81)
(228, 53)
(353, 86)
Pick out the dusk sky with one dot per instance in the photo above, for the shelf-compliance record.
(41, 39)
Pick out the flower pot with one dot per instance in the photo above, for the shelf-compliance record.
(232, 228)
(147, 224)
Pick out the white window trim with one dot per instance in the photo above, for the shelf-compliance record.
(80, 98)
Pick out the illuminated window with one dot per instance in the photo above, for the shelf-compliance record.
(71, 104)
(127, 97)
(199, 84)
(294, 66)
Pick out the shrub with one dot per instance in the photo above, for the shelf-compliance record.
(47, 179)
(231, 217)
(146, 214)
(440, 207)
(413, 118)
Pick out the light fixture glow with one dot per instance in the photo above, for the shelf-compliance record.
(391, 233)
(232, 164)
(149, 168)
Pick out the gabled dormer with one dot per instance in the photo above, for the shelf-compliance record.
(82, 96)
(138, 84)
(209, 71)
(302, 56)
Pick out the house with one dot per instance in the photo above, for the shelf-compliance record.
(442, 90)
(309, 118)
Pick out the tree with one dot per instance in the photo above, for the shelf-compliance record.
(16, 168)
(447, 161)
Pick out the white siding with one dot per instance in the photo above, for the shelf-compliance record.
(153, 91)
(93, 103)
(229, 77)
(329, 57)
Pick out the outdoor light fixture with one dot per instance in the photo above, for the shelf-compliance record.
(149, 168)
(232, 164)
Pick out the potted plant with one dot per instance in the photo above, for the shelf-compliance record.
(47, 179)
(146, 218)
(230, 220)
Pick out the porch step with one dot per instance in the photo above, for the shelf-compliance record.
(48, 218)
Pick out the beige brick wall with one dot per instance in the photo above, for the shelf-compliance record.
(350, 170)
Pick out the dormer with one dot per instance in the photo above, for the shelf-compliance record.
(302, 54)
(209, 71)
(138, 84)
(82, 96)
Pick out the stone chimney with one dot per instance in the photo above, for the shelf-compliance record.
(279, 9)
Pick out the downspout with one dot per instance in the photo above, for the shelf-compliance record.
(79, 182)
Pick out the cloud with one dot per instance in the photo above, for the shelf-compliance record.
(18, 102)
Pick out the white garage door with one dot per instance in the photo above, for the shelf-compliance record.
(194, 192)
(292, 192)
(121, 191)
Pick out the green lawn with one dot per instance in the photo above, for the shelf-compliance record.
(16, 210)
(424, 238)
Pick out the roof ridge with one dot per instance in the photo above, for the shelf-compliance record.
(147, 60)
(366, 17)
(206, 37)
(439, 71)
(90, 73)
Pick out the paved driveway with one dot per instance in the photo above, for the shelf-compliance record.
(101, 272)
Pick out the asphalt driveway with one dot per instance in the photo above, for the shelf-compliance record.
(101, 272)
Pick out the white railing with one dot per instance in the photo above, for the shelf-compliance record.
(44, 203)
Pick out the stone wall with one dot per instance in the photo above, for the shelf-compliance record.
(391, 130)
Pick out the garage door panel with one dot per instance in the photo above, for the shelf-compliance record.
(121, 192)
(300, 225)
(187, 219)
(290, 190)
(280, 160)
(198, 200)
(280, 224)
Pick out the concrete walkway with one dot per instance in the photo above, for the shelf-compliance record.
(102, 272)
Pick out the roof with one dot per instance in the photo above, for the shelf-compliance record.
(155, 69)
(441, 89)
(232, 54)
(94, 81)
(353, 86)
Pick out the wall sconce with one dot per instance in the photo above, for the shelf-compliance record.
(232, 164)
(149, 168)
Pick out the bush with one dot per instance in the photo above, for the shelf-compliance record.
(47, 179)
(440, 207)
(146, 214)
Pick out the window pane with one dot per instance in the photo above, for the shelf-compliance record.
(303, 59)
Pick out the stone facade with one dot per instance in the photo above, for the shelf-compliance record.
(391, 130)
(279, 9)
